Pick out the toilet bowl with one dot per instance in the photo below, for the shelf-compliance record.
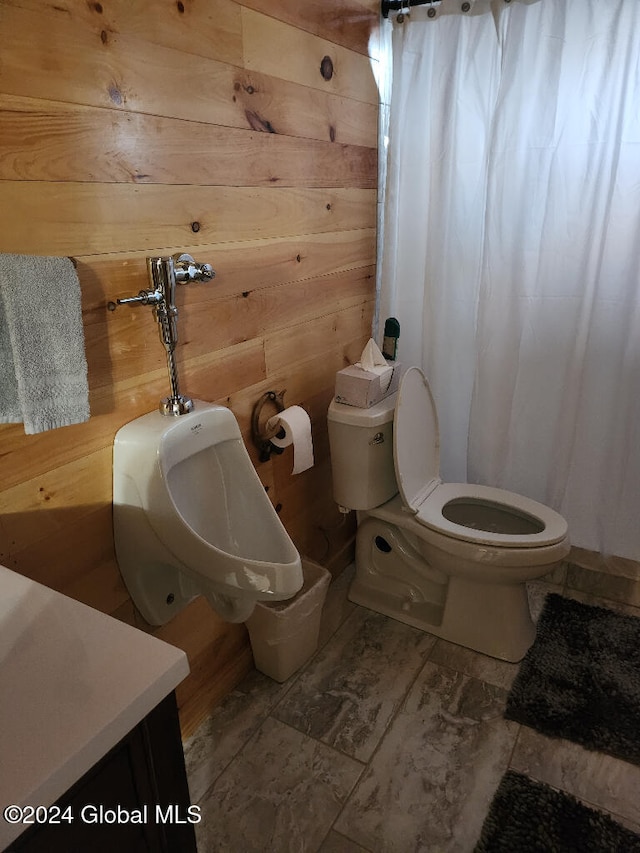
(449, 558)
(192, 517)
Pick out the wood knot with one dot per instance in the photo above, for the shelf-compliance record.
(256, 122)
(115, 94)
(326, 68)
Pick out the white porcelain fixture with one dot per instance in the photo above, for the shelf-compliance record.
(449, 558)
(192, 517)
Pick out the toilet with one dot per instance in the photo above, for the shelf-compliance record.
(452, 559)
(191, 517)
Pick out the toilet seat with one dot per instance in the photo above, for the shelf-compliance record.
(430, 513)
(416, 451)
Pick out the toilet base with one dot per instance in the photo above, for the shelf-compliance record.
(491, 618)
(506, 630)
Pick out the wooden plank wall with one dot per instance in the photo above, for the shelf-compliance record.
(130, 129)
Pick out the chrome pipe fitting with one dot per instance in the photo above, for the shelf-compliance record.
(164, 273)
(186, 270)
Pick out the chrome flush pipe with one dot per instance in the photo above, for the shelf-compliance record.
(164, 274)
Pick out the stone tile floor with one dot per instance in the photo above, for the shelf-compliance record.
(387, 740)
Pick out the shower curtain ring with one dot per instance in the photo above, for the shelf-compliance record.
(402, 14)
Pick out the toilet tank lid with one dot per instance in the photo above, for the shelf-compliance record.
(381, 413)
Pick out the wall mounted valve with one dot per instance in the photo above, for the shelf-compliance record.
(164, 273)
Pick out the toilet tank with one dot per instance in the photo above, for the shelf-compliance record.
(361, 445)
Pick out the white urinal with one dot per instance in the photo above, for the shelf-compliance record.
(192, 517)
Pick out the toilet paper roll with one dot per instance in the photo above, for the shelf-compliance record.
(297, 431)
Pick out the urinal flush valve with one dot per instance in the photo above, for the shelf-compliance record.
(164, 274)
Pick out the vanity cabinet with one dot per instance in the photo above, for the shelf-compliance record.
(91, 757)
(143, 777)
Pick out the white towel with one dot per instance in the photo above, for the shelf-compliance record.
(43, 367)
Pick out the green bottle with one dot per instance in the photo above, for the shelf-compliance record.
(390, 341)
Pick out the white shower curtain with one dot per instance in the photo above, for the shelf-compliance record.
(511, 253)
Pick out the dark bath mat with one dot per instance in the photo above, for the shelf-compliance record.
(529, 817)
(580, 680)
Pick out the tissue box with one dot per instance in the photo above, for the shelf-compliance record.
(363, 388)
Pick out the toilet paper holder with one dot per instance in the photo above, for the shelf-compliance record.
(260, 433)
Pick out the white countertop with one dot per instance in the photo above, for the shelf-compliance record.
(73, 682)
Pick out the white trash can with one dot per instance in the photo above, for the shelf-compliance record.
(284, 634)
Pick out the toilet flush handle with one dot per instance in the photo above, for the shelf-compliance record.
(145, 297)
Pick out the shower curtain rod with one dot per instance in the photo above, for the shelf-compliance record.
(397, 5)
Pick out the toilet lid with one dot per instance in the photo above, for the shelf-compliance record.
(416, 439)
